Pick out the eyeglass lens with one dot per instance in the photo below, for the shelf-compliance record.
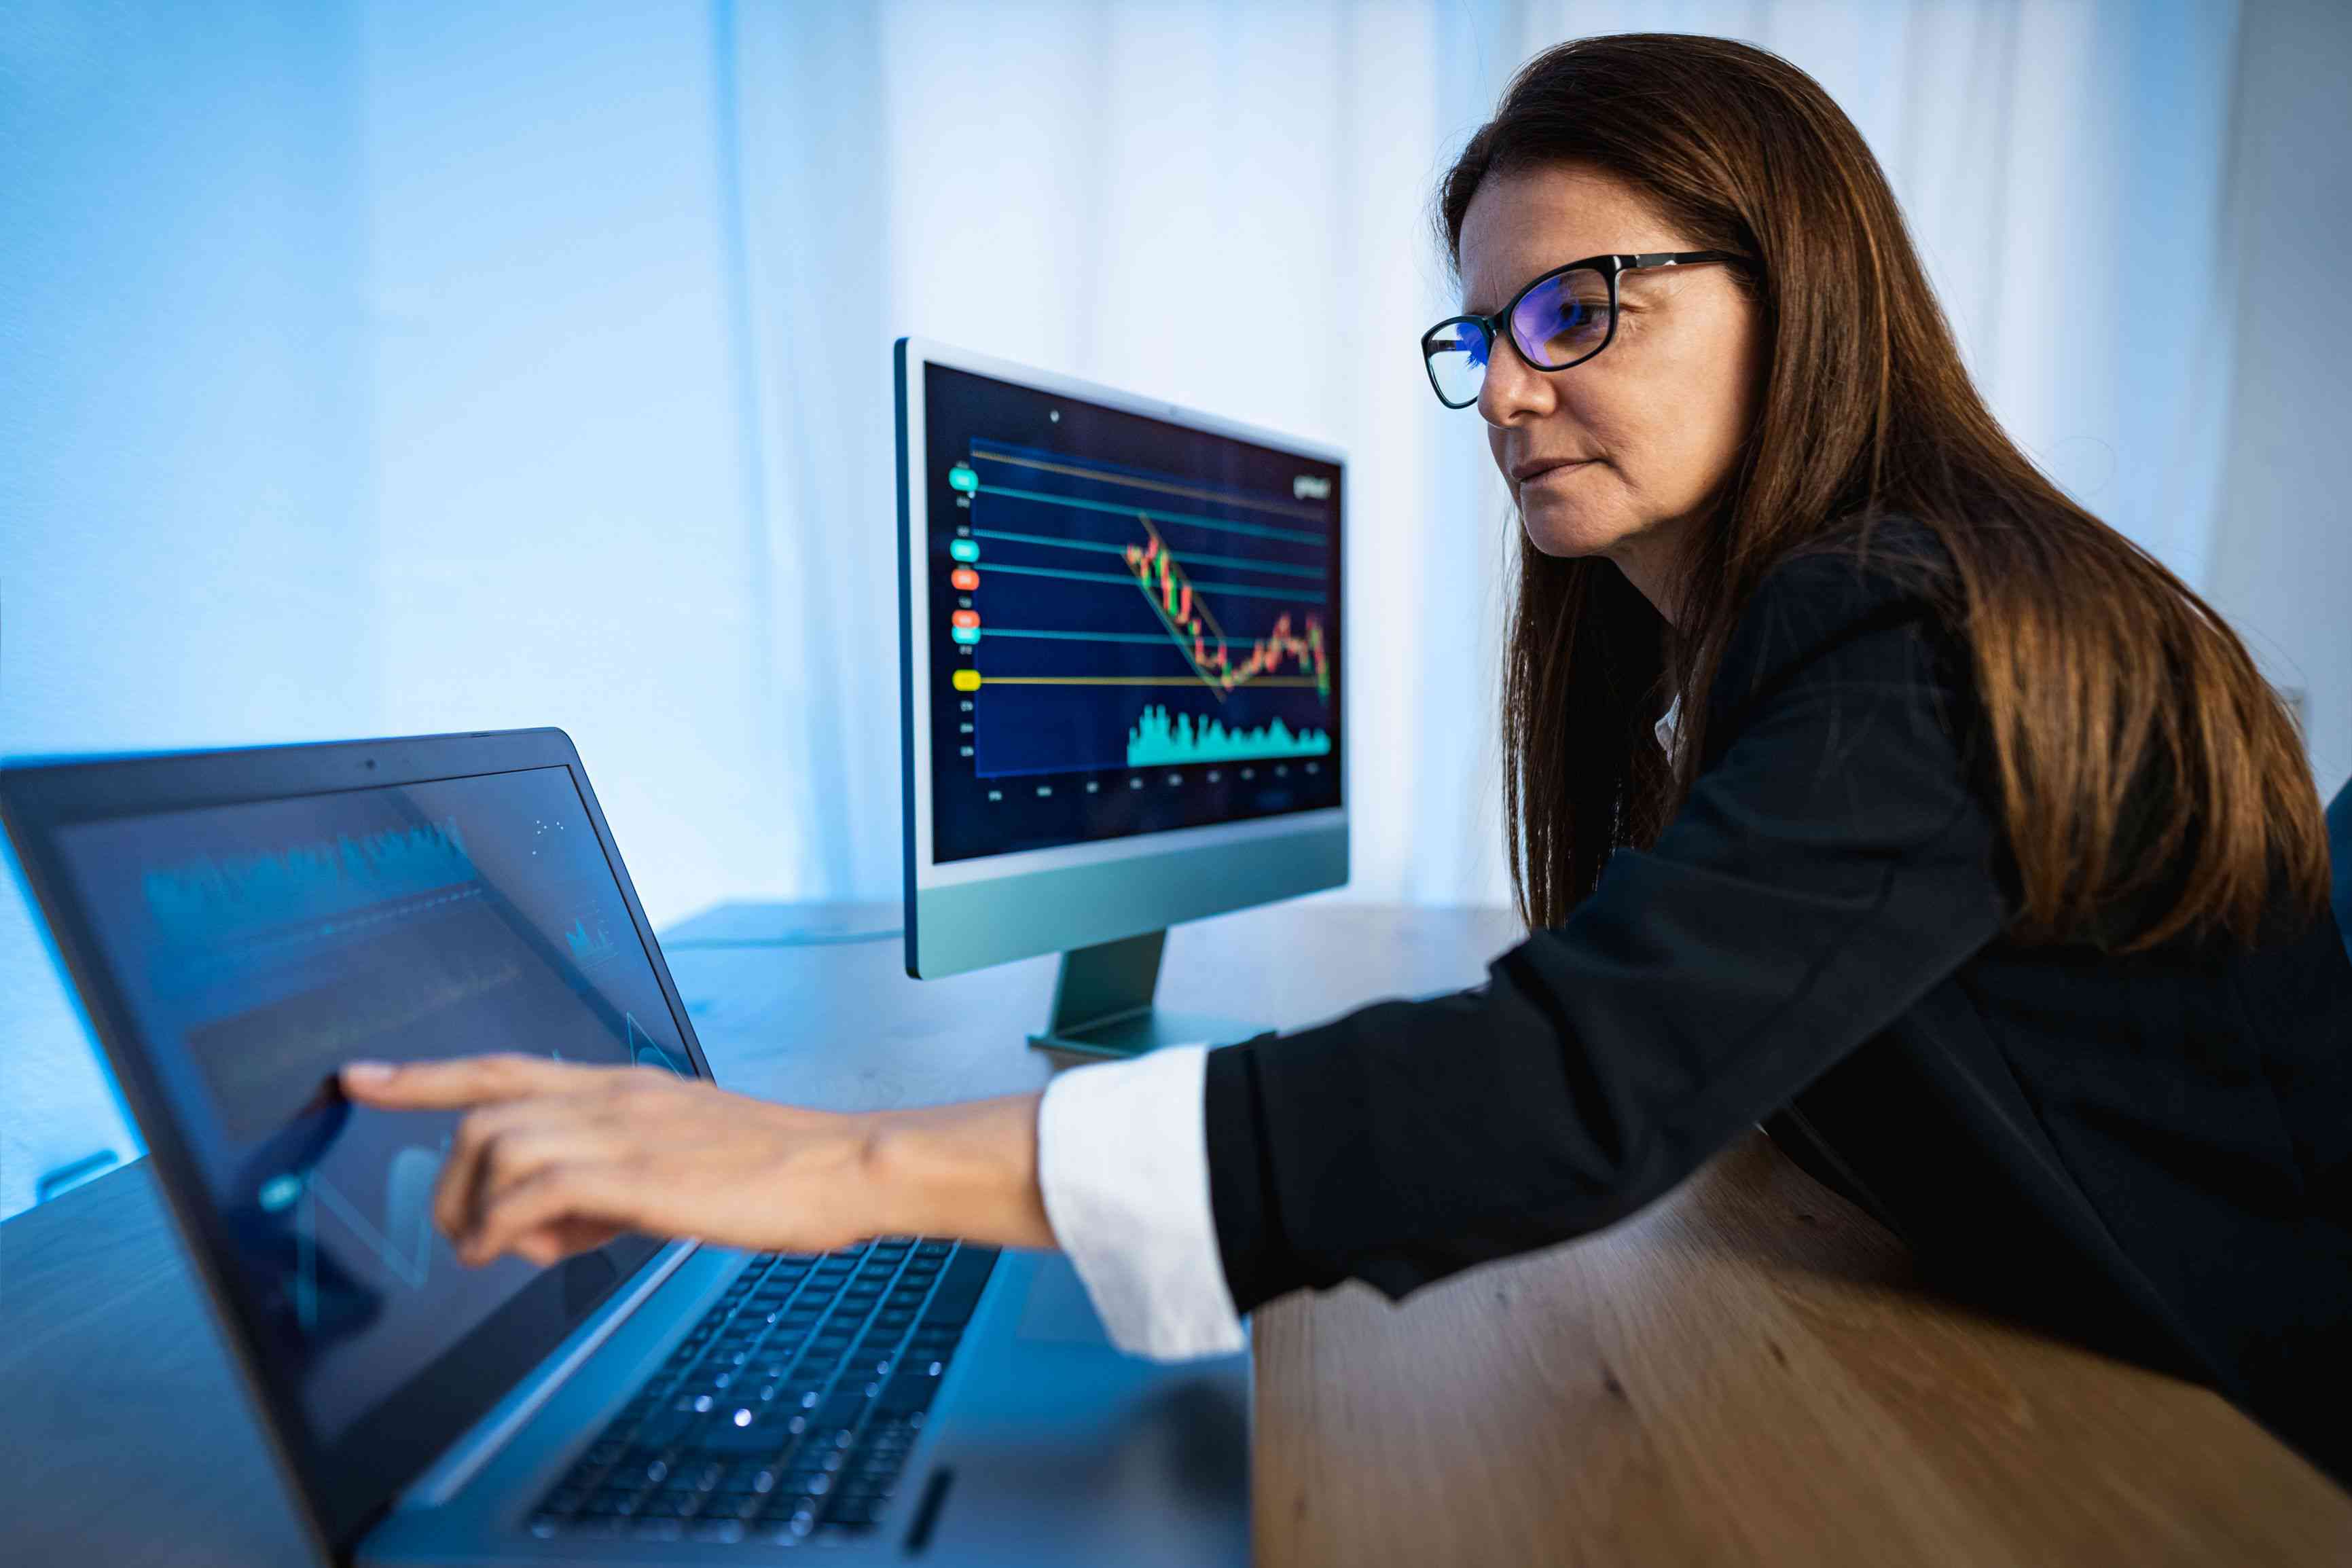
(1560, 321)
(1457, 360)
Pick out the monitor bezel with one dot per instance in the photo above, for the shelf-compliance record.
(924, 873)
(39, 797)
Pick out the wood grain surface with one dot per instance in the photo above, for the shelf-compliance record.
(1746, 1372)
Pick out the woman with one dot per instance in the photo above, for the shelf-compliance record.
(1858, 782)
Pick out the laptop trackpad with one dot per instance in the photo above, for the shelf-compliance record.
(1058, 1311)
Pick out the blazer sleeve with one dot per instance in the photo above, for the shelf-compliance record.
(1833, 863)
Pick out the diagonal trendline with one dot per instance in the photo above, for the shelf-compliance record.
(409, 1271)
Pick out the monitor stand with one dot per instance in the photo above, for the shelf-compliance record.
(1102, 1004)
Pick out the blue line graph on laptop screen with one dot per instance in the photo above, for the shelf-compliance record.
(262, 945)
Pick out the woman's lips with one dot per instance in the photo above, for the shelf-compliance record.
(1557, 470)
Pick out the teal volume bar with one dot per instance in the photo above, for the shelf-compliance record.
(1159, 741)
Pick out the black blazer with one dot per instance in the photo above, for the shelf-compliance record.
(2151, 1153)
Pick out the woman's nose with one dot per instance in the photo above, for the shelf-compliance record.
(1512, 392)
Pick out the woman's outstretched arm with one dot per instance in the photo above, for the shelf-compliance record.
(555, 1158)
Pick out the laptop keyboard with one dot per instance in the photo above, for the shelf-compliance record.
(790, 1410)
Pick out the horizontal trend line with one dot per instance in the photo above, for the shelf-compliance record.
(1131, 681)
(1313, 573)
(1283, 508)
(1157, 638)
(1127, 580)
(1255, 531)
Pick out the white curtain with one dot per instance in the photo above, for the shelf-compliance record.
(383, 367)
(1134, 192)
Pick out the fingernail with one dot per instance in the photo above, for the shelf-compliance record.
(366, 1072)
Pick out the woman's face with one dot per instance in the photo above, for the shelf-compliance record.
(1617, 455)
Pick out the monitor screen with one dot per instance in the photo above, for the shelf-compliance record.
(258, 946)
(1135, 624)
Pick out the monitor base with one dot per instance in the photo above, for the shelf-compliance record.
(1102, 1005)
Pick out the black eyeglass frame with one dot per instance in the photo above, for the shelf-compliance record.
(1497, 327)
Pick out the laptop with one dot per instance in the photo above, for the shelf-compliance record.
(238, 924)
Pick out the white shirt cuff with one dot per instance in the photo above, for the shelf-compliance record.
(1123, 1165)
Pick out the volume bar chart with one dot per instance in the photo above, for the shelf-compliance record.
(1158, 741)
(1112, 616)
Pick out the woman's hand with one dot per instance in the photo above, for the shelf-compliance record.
(554, 1158)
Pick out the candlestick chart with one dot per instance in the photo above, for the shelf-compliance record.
(1105, 617)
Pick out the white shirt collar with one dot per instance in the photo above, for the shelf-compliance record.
(1669, 728)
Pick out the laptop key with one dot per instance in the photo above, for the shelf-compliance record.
(958, 1292)
(838, 1411)
(908, 1396)
(660, 1431)
(887, 1432)
(729, 1441)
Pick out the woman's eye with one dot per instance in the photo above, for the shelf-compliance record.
(1586, 323)
(1572, 325)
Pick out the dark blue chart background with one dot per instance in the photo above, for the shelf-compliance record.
(1042, 765)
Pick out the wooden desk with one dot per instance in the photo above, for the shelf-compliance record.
(1744, 1373)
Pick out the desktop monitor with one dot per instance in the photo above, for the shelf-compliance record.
(1120, 681)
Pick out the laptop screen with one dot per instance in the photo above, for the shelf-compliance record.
(260, 945)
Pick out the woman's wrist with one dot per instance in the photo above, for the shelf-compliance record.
(966, 1170)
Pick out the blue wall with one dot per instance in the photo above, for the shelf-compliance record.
(186, 552)
(365, 368)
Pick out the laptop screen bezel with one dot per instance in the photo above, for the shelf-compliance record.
(344, 1487)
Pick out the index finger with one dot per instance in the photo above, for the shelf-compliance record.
(458, 1082)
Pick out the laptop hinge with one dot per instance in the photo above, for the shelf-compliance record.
(462, 1460)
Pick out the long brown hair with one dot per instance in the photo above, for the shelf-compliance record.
(2141, 763)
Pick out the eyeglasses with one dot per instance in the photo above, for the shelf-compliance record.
(1563, 317)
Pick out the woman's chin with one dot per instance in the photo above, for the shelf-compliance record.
(1557, 528)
